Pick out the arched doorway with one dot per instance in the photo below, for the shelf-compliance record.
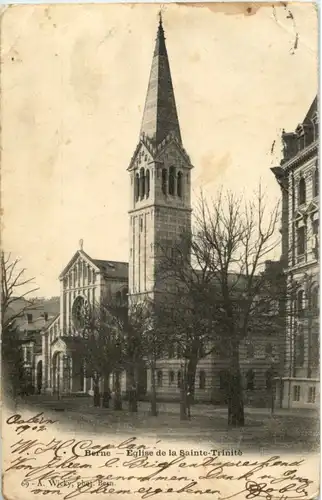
(39, 377)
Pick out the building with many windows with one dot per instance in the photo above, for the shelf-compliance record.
(298, 176)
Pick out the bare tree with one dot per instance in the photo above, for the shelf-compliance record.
(218, 275)
(15, 289)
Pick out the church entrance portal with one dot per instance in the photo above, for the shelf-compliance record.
(39, 377)
(61, 373)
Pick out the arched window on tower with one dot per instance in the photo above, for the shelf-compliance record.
(164, 180)
(179, 184)
(172, 175)
(137, 187)
(142, 183)
(147, 183)
(302, 191)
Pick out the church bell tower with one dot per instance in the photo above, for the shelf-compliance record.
(160, 176)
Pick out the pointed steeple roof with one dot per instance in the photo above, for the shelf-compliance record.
(160, 113)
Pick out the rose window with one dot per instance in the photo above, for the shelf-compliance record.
(80, 312)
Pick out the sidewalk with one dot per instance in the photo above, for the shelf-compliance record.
(75, 403)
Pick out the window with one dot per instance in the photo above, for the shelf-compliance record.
(316, 182)
(312, 395)
(301, 240)
(250, 380)
(142, 183)
(223, 380)
(250, 350)
(159, 378)
(315, 346)
(302, 191)
(171, 354)
(179, 184)
(171, 377)
(29, 318)
(125, 292)
(137, 187)
(299, 349)
(296, 393)
(300, 303)
(28, 355)
(315, 299)
(141, 224)
(164, 180)
(147, 183)
(45, 316)
(179, 379)
(269, 379)
(269, 349)
(172, 174)
(315, 226)
(202, 380)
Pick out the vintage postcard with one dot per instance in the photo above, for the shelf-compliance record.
(160, 251)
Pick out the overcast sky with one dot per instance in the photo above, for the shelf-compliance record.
(74, 80)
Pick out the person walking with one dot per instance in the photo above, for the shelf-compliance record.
(189, 403)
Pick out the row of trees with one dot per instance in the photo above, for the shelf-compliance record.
(216, 293)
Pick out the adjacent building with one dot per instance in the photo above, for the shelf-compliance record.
(298, 176)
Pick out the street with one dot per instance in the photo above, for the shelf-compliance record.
(284, 431)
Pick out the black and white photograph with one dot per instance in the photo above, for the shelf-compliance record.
(160, 251)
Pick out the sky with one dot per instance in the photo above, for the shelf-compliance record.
(73, 85)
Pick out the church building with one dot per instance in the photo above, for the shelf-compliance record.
(160, 211)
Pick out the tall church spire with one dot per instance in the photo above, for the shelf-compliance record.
(160, 113)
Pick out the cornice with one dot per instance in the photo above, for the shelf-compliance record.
(304, 155)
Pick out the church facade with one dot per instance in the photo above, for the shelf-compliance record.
(160, 211)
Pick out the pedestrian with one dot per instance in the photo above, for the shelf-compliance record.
(189, 404)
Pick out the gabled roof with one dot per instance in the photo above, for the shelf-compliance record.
(311, 112)
(112, 268)
(156, 151)
(79, 253)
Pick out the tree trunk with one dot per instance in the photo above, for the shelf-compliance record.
(97, 396)
(236, 416)
(154, 409)
(183, 395)
(106, 392)
(118, 396)
(191, 376)
(132, 393)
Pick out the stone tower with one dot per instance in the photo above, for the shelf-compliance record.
(160, 173)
